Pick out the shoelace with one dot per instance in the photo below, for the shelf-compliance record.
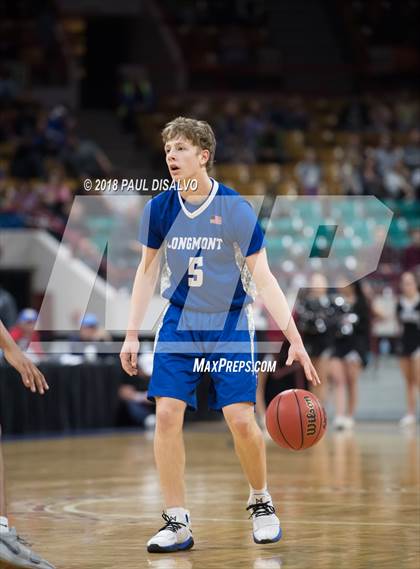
(171, 523)
(11, 539)
(261, 509)
(18, 538)
(23, 541)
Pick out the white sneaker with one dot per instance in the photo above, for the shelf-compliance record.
(16, 552)
(266, 525)
(340, 423)
(175, 535)
(349, 422)
(408, 421)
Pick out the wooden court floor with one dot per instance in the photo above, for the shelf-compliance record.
(92, 502)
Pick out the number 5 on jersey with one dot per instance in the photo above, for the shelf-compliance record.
(195, 274)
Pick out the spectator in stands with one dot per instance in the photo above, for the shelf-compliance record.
(133, 393)
(58, 124)
(408, 348)
(309, 173)
(253, 125)
(411, 152)
(90, 333)
(353, 149)
(353, 116)
(411, 159)
(397, 182)
(350, 177)
(380, 117)
(229, 133)
(386, 155)
(370, 179)
(8, 87)
(126, 250)
(24, 333)
(56, 194)
(24, 197)
(84, 157)
(79, 236)
(270, 144)
(254, 119)
(295, 115)
(27, 160)
(8, 310)
(411, 256)
(135, 96)
(406, 112)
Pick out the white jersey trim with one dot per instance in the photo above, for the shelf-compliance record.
(160, 327)
(203, 206)
(251, 329)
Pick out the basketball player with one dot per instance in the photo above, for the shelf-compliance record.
(13, 549)
(408, 347)
(211, 245)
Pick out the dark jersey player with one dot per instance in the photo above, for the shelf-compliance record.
(14, 551)
(213, 254)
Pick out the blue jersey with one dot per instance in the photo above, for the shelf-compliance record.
(204, 248)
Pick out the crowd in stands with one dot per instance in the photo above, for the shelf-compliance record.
(43, 161)
(33, 41)
(290, 145)
(224, 34)
(357, 146)
(363, 146)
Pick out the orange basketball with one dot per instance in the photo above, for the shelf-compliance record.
(296, 419)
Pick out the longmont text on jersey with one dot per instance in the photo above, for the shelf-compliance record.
(204, 243)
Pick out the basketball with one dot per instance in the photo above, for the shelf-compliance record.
(295, 419)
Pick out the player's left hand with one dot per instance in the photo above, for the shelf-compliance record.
(298, 353)
(32, 378)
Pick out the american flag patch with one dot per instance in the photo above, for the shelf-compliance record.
(216, 219)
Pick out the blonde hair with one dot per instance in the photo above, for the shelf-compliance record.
(199, 133)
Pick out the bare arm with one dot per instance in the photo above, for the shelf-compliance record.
(30, 374)
(276, 303)
(143, 289)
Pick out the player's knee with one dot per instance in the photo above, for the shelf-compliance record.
(241, 426)
(168, 419)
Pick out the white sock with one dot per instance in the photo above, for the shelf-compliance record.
(179, 513)
(4, 524)
(254, 494)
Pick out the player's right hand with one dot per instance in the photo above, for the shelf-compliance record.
(32, 378)
(128, 356)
